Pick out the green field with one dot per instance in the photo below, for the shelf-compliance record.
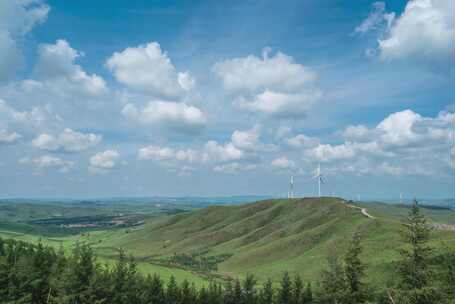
(265, 238)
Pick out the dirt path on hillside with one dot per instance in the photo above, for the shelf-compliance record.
(364, 211)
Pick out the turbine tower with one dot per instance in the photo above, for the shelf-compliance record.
(318, 175)
(291, 187)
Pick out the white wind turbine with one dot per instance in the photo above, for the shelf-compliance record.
(318, 175)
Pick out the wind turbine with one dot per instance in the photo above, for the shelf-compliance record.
(318, 175)
(291, 187)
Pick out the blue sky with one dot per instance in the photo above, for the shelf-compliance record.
(137, 98)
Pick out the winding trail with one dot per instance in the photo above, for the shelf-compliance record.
(364, 211)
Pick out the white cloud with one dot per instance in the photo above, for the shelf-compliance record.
(252, 73)
(17, 18)
(147, 68)
(283, 163)
(103, 162)
(36, 117)
(213, 151)
(280, 104)
(48, 161)
(67, 141)
(249, 140)
(167, 154)
(234, 167)
(424, 33)
(170, 114)
(56, 68)
(9, 138)
(397, 128)
(326, 152)
(275, 86)
(302, 141)
(376, 19)
(403, 143)
(355, 132)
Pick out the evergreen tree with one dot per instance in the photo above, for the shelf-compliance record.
(188, 294)
(333, 284)
(172, 291)
(297, 290)
(155, 292)
(414, 270)
(307, 296)
(2, 247)
(228, 297)
(355, 272)
(249, 290)
(215, 293)
(267, 293)
(203, 297)
(285, 292)
(237, 296)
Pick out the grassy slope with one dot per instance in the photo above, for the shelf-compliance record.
(265, 238)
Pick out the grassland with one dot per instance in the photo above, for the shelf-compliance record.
(265, 238)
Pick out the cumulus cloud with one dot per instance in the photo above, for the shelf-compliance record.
(249, 140)
(213, 151)
(355, 132)
(274, 86)
(17, 18)
(170, 114)
(48, 161)
(280, 104)
(68, 141)
(326, 152)
(403, 143)
(9, 137)
(167, 154)
(57, 68)
(423, 33)
(35, 118)
(175, 160)
(103, 162)
(252, 73)
(283, 163)
(234, 167)
(302, 141)
(147, 68)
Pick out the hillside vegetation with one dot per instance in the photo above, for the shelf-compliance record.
(265, 238)
(269, 237)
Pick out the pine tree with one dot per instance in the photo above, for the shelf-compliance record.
(238, 293)
(333, 284)
(2, 247)
(414, 271)
(307, 297)
(355, 271)
(172, 291)
(249, 290)
(285, 292)
(188, 294)
(267, 293)
(228, 297)
(297, 290)
(155, 292)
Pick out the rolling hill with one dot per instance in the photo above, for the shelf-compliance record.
(269, 237)
(265, 238)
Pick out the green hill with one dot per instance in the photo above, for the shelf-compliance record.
(269, 237)
(265, 238)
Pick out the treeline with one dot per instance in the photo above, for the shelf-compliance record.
(32, 273)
